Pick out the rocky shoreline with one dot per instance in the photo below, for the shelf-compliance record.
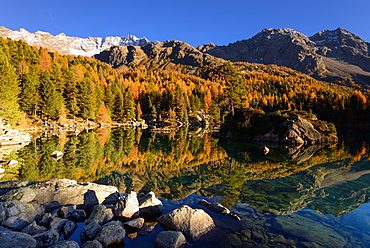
(47, 213)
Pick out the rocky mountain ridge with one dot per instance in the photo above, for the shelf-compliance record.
(161, 55)
(71, 45)
(330, 55)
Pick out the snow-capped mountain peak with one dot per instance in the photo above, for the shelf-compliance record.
(71, 45)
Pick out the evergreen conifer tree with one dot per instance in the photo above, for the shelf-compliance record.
(9, 90)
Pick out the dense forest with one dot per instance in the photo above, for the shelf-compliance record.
(48, 86)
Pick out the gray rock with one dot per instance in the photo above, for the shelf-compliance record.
(64, 191)
(98, 214)
(45, 219)
(10, 239)
(301, 131)
(69, 228)
(65, 244)
(128, 208)
(111, 234)
(92, 244)
(145, 230)
(3, 213)
(135, 223)
(65, 210)
(47, 238)
(170, 239)
(191, 222)
(51, 206)
(58, 224)
(149, 205)
(92, 229)
(109, 215)
(20, 194)
(33, 229)
(78, 215)
(18, 214)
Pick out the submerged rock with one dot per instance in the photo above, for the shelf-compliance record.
(218, 208)
(170, 239)
(192, 223)
(309, 230)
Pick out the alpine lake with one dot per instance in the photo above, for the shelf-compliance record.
(291, 197)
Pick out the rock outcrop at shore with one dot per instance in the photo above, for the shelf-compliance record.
(46, 213)
(278, 127)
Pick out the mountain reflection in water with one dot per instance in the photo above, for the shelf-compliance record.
(302, 197)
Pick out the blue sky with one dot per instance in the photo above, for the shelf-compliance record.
(193, 21)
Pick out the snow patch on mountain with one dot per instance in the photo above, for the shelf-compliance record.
(71, 45)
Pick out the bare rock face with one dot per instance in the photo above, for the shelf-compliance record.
(284, 47)
(328, 55)
(161, 55)
(192, 223)
(300, 131)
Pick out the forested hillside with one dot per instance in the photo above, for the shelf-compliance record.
(46, 85)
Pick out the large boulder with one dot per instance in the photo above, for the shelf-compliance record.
(98, 214)
(301, 131)
(128, 207)
(65, 244)
(17, 215)
(111, 234)
(10, 239)
(47, 238)
(64, 191)
(92, 244)
(92, 229)
(149, 205)
(192, 223)
(33, 229)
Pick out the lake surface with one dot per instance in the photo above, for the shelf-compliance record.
(307, 197)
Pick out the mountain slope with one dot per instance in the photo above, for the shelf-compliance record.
(162, 55)
(71, 45)
(336, 55)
